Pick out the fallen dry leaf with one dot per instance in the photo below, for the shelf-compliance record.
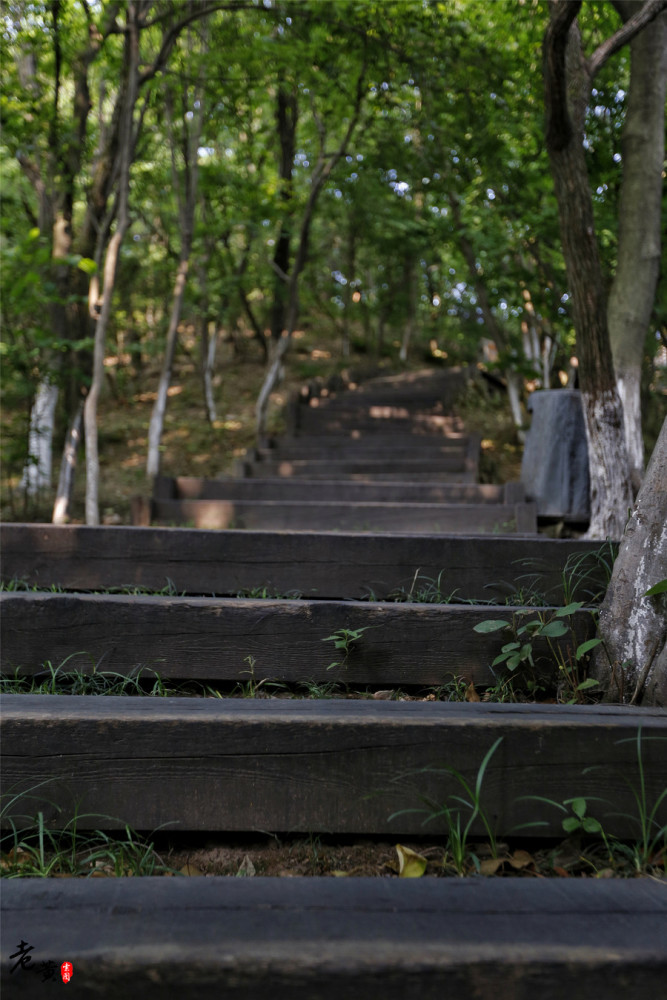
(521, 859)
(410, 864)
(489, 866)
(190, 869)
(247, 868)
(471, 693)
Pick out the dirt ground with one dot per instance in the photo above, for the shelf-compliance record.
(294, 857)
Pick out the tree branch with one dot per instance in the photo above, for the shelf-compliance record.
(559, 123)
(625, 34)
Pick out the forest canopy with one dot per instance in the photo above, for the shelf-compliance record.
(375, 169)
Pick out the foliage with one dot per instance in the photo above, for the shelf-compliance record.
(438, 225)
(345, 639)
(458, 828)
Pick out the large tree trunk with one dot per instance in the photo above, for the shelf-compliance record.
(632, 664)
(567, 91)
(633, 290)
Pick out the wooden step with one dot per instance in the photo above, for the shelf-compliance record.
(194, 488)
(215, 639)
(352, 938)
(424, 448)
(376, 420)
(451, 466)
(306, 515)
(322, 766)
(325, 565)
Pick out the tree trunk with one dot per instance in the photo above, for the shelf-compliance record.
(37, 471)
(409, 277)
(325, 164)
(632, 665)
(111, 263)
(567, 91)
(160, 405)
(67, 469)
(633, 290)
(186, 192)
(286, 121)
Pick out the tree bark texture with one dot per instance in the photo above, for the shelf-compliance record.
(639, 227)
(187, 199)
(567, 91)
(37, 471)
(110, 264)
(67, 469)
(632, 665)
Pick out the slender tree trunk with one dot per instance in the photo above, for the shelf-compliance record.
(160, 405)
(110, 265)
(37, 472)
(286, 121)
(322, 172)
(209, 346)
(639, 225)
(187, 197)
(67, 469)
(410, 280)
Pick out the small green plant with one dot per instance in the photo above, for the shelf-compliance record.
(345, 639)
(458, 828)
(652, 833)
(264, 594)
(519, 653)
(251, 687)
(651, 846)
(424, 590)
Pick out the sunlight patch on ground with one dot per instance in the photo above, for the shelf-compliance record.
(150, 397)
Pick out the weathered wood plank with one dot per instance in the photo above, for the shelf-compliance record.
(324, 565)
(377, 420)
(319, 766)
(317, 515)
(299, 939)
(194, 488)
(338, 468)
(210, 638)
(399, 476)
(386, 449)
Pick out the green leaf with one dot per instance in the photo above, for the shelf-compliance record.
(591, 825)
(492, 625)
(579, 807)
(569, 609)
(87, 265)
(590, 682)
(571, 823)
(553, 629)
(586, 647)
(658, 588)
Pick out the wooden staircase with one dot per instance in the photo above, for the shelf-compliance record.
(384, 457)
(230, 765)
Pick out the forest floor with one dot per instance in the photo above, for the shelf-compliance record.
(191, 446)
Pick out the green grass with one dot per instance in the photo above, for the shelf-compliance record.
(31, 847)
